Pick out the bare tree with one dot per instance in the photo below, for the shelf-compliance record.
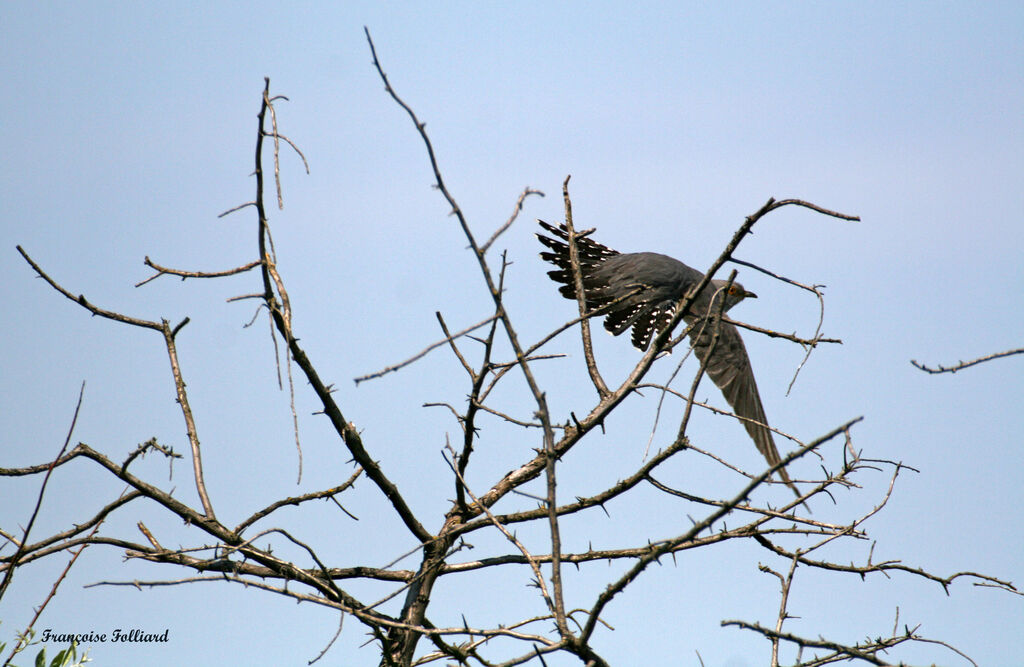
(400, 622)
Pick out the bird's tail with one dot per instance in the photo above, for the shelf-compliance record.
(591, 253)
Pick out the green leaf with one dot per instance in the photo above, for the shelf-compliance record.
(65, 658)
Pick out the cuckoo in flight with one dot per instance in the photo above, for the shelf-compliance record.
(649, 286)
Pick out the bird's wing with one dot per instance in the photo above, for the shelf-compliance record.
(729, 368)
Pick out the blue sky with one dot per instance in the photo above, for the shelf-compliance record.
(128, 129)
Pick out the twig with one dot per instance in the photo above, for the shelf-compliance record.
(478, 379)
(815, 207)
(163, 270)
(234, 209)
(145, 447)
(816, 291)
(512, 218)
(82, 301)
(9, 575)
(49, 596)
(965, 364)
(316, 495)
(581, 297)
(65, 538)
(186, 411)
(425, 351)
(786, 584)
(533, 563)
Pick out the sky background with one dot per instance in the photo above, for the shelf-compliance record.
(127, 129)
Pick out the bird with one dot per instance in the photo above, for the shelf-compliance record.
(640, 290)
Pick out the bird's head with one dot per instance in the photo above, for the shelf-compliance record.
(733, 293)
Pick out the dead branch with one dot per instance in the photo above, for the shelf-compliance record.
(512, 218)
(581, 298)
(433, 346)
(165, 271)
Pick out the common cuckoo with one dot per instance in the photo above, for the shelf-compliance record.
(643, 289)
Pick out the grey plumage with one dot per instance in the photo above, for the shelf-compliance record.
(660, 282)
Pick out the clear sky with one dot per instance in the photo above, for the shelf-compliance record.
(128, 128)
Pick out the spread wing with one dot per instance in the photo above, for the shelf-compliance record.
(644, 286)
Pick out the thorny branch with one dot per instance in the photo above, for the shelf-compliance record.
(449, 338)
(965, 364)
(165, 271)
(512, 218)
(866, 651)
(169, 334)
(581, 299)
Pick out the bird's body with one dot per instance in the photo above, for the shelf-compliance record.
(643, 289)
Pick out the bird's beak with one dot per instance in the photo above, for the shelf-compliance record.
(749, 295)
